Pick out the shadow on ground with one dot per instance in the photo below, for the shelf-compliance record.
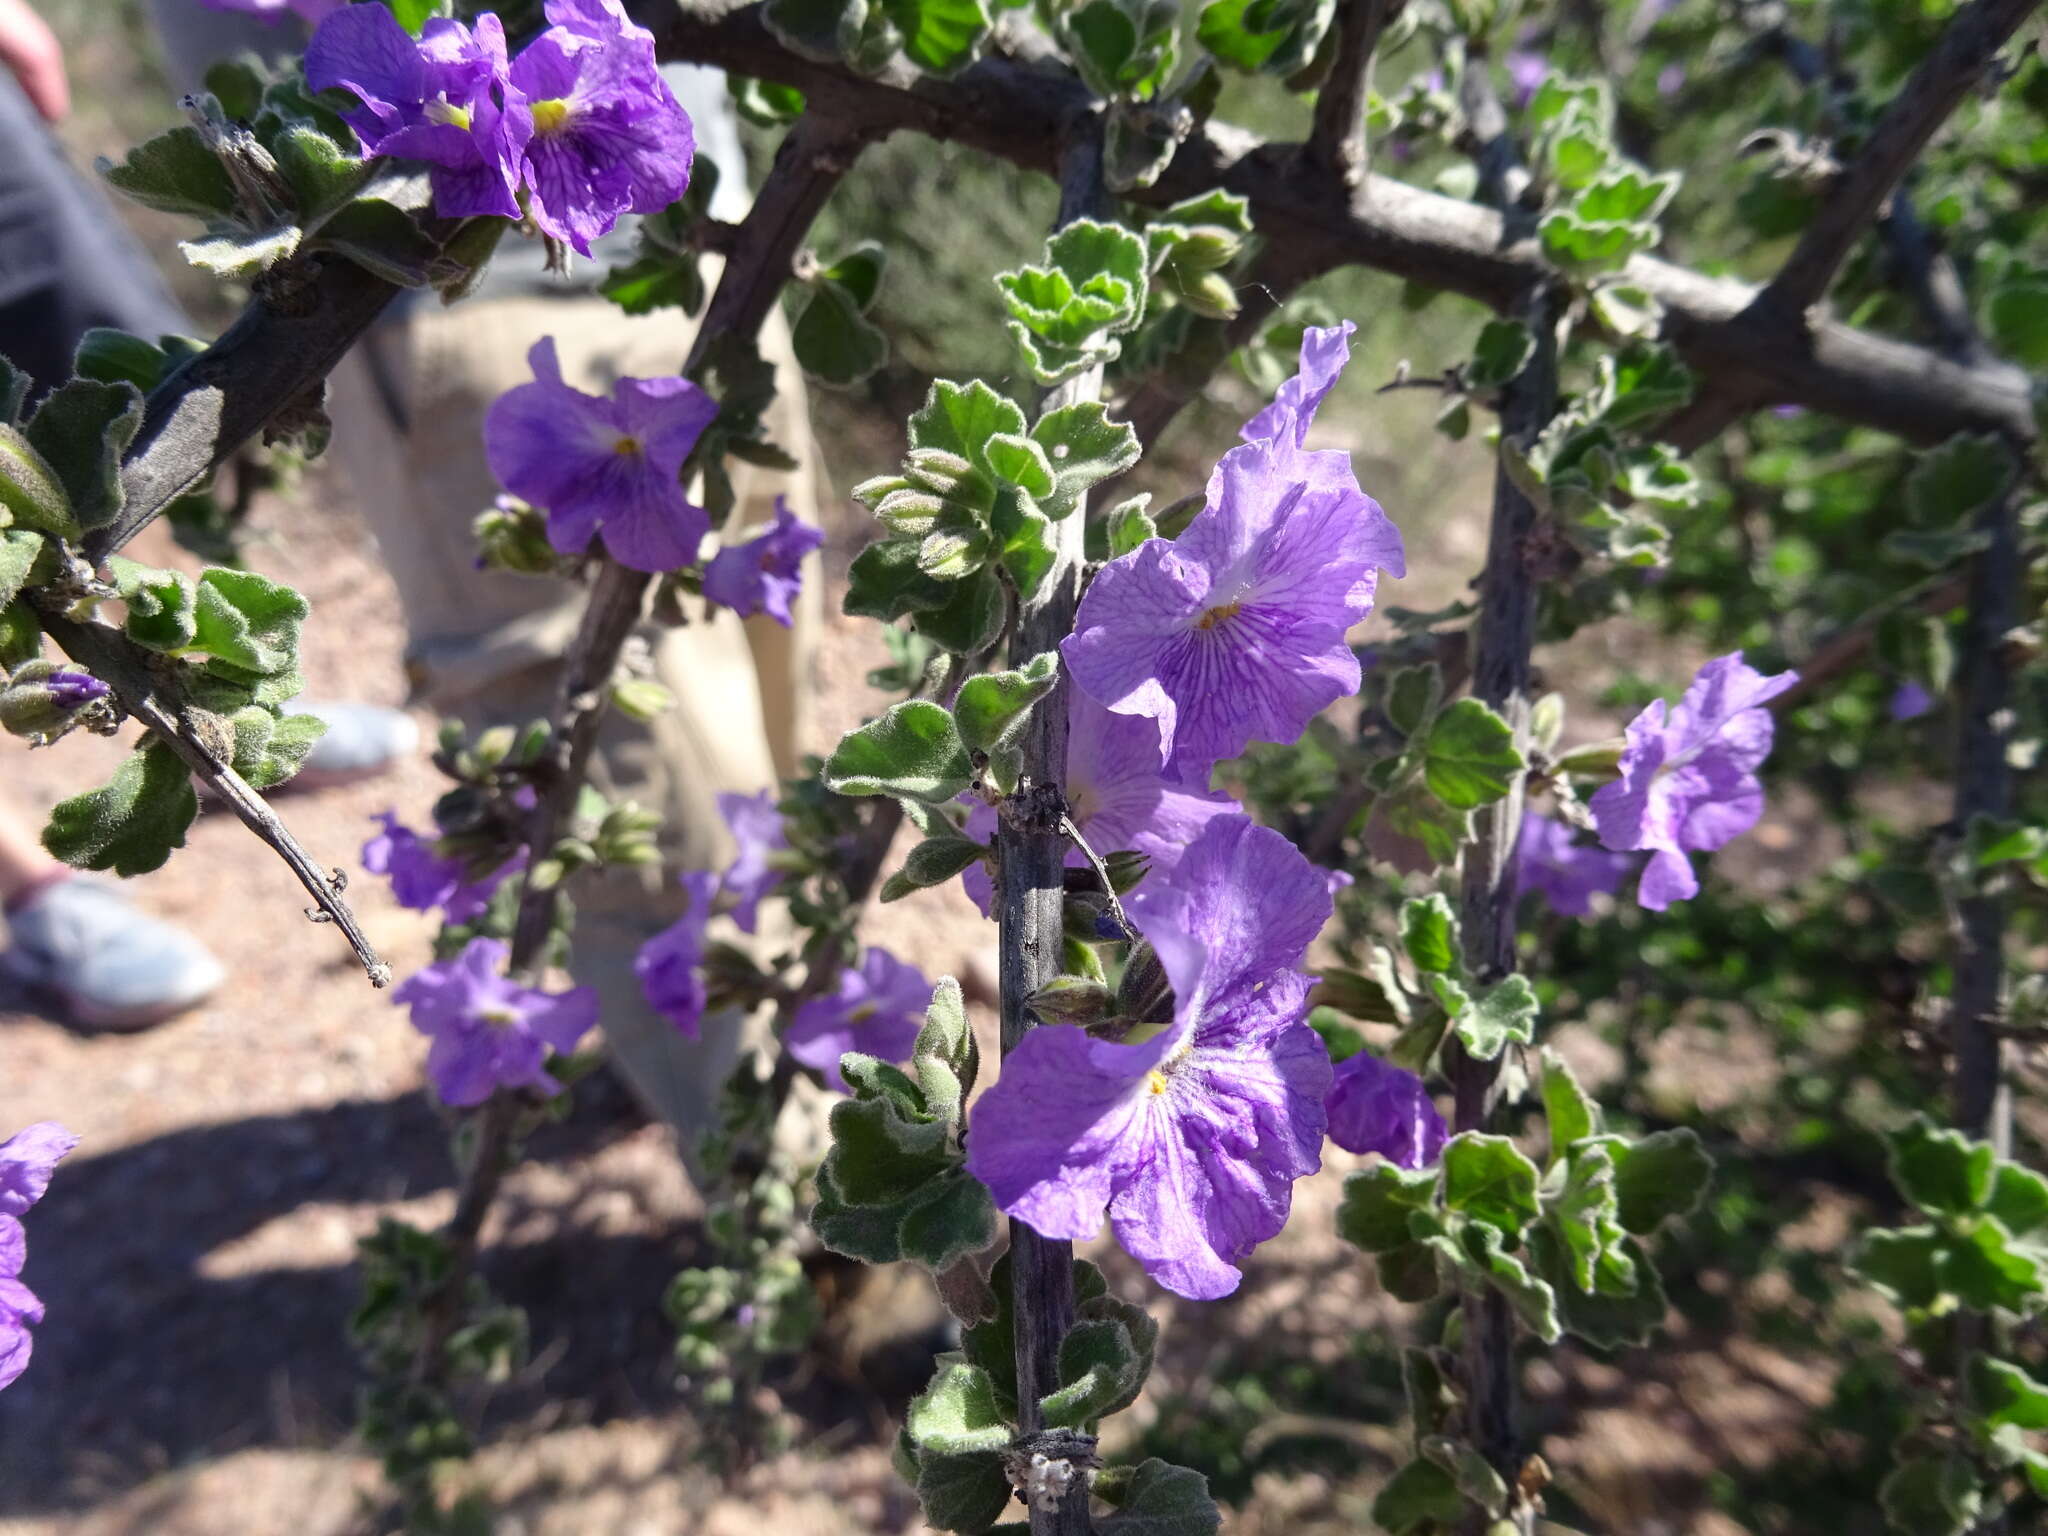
(158, 1354)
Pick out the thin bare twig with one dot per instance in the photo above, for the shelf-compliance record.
(109, 656)
(1338, 139)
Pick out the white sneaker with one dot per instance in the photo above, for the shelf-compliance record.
(111, 965)
(362, 741)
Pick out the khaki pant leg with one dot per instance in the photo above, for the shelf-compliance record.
(486, 647)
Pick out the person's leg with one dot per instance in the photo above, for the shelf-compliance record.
(486, 647)
(109, 965)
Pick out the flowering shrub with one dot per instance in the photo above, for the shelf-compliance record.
(1257, 888)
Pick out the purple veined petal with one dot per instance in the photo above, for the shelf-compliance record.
(541, 437)
(561, 1021)
(363, 49)
(13, 1246)
(1043, 1138)
(1567, 873)
(1726, 689)
(1248, 679)
(28, 1159)
(1324, 352)
(668, 964)
(1155, 1219)
(876, 1008)
(652, 526)
(20, 1310)
(1668, 877)
(1621, 809)
(667, 415)
(757, 831)
(462, 1064)
(764, 574)
(1375, 1106)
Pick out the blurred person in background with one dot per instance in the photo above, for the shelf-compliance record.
(68, 264)
(485, 647)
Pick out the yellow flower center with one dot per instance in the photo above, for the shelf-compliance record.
(863, 1013)
(448, 114)
(1217, 615)
(627, 446)
(499, 1017)
(1155, 1081)
(550, 115)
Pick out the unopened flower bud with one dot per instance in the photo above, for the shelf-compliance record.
(43, 698)
(513, 536)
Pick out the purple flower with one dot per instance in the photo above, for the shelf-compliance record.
(1234, 632)
(72, 689)
(1670, 79)
(1375, 1106)
(1115, 795)
(422, 879)
(442, 99)
(1688, 777)
(614, 464)
(1910, 702)
(277, 10)
(488, 1031)
(668, 964)
(608, 134)
(877, 1009)
(757, 828)
(1568, 874)
(1190, 1140)
(763, 575)
(27, 1159)
(1527, 69)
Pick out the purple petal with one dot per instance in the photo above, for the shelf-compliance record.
(1375, 1106)
(27, 1160)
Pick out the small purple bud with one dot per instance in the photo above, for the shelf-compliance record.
(44, 697)
(1910, 702)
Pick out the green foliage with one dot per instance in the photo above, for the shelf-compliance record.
(132, 823)
(832, 338)
(993, 709)
(1067, 314)
(1274, 37)
(913, 752)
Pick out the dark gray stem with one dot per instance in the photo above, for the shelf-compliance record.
(1031, 853)
(1338, 139)
(1983, 1105)
(1500, 677)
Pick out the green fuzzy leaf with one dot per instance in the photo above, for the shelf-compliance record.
(248, 621)
(1085, 448)
(1500, 1014)
(961, 418)
(1429, 933)
(115, 357)
(871, 1165)
(321, 174)
(993, 708)
(970, 618)
(132, 823)
(1659, 1177)
(958, 1414)
(1130, 525)
(871, 1234)
(1469, 758)
(1378, 1202)
(1024, 537)
(655, 282)
(859, 272)
(19, 551)
(1626, 195)
(1022, 463)
(162, 605)
(2018, 321)
(1567, 1108)
(1502, 351)
(940, 36)
(1533, 1299)
(1932, 1495)
(1586, 248)
(2006, 1395)
(270, 748)
(1950, 482)
(1904, 1263)
(1648, 381)
(913, 752)
(1419, 1499)
(31, 493)
(834, 342)
(1420, 824)
(1275, 37)
(1942, 1172)
(885, 582)
(81, 430)
(380, 237)
(954, 1220)
(1163, 1500)
(2019, 1199)
(1987, 1269)
(1098, 1366)
(21, 637)
(233, 253)
(932, 862)
(962, 1493)
(175, 173)
(946, 1035)
(1607, 1317)
(1488, 1179)
(1934, 548)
